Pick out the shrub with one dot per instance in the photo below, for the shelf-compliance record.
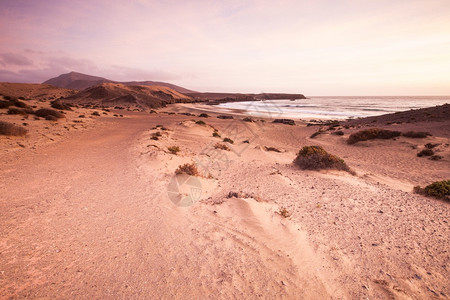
(44, 112)
(338, 132)
(57, 104)
(155, 135)
(203, 115)
(225, 117)
(284, 121)
(370, 134)
(425, 152)
(316, 158)
(228, 140)
(221, 147)
(284, 213)
(416, 134)
(5, 104)
(247, 119)
(20, 104)
(315, 134)
(95, 113)
(174, 149)
(16, 111)
(438, 189)
(189, 169)
(200, 122)
(431, 146)
(272, 149)
(11, 129)
(51, 118)
(216, 134)
(153, 111)
(436, 157)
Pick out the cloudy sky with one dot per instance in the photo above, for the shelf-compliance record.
(315, 47)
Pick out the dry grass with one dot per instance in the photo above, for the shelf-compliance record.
(370, 134)
(11, 129)
(189, 169)
(284, 212)
(174, 149)
(316, 158)
(221, 147)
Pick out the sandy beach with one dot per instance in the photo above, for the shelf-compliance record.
(93, 213)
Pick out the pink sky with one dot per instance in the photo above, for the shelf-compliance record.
(315, 47)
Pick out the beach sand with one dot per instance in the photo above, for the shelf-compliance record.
(91, 213)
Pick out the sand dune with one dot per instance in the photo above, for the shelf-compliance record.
(91, 214)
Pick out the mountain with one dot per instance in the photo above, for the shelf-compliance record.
(128, 96)
(79, 81)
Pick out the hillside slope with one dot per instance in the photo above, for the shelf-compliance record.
(138, 96)
(79, 81)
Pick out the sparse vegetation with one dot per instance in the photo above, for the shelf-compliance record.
(248, 119)
(316, 158)
(228, 140)
(153, 111)
(216, 134)
(5, 104)
(284, 121)
(203, 115)
(10, 129)
(221, 147)
(370, 134)
(16, 111)
(431, 146)
(95, 113)
(189, 169)
(438, 189)
(225, 117)
(425, 152)
(338, 132)
(272, 149)
(284, 212)
(44, 112)
(57, 104)
(416, 134)
(155, 136)
(174, 149)
(200, 122)
(436, 157)
(315, 134)
(81, 116)
(20, 104)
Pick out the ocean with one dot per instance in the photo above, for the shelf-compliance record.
(334, 107)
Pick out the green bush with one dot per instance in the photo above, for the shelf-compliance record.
(438, 189)
(316, 158)
(370, 134)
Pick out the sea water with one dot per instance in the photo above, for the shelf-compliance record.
(334, 107)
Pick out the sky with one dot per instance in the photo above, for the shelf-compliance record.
(314, 47)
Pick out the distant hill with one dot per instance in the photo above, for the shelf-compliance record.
(128, 96)
(33, 91)
(79, 81)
